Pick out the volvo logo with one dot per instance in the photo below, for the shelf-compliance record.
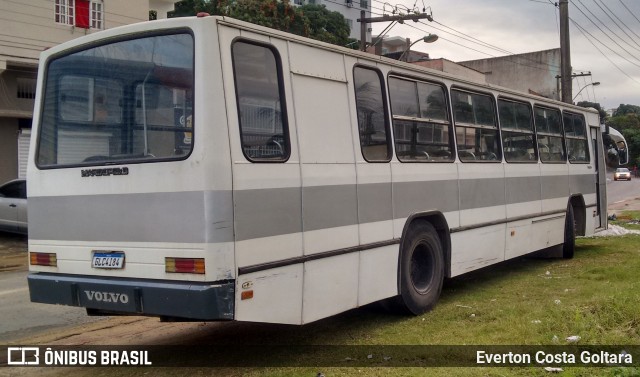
(107, 297)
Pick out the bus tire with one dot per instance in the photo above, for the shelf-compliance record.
(569, 245)
(421, 269)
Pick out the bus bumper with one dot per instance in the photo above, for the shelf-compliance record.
(171, 299)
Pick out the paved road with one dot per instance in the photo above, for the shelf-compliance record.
(22, 318)
(621, 190)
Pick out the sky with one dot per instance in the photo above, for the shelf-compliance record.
(605, 37)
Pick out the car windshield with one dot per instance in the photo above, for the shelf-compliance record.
(622, 170)
(125, 101)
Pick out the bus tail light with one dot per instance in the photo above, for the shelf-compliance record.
(184, 265)
(43, 259)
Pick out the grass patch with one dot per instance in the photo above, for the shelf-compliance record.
(627, 219)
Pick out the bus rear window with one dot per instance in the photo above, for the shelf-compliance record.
(127, 101)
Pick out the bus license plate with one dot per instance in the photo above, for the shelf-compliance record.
(108, 260)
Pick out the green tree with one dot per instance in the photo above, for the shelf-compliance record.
(187, 8)
(626, 109)
(325, 25)
(313, 21)
(595, 105)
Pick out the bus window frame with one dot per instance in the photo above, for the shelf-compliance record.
(564, 144)
(585, 138)
(533, 131)
(386, 109)
(281, 93)
(105, 42)
(447, 106)
(459, 88)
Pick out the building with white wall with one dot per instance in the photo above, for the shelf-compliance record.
(29, 27)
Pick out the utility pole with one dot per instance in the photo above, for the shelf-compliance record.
(574, 75)
(565, 52)
(385, 18)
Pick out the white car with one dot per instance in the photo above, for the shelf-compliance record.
(622, 173)
(13, 206)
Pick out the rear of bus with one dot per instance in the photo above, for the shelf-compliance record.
(130, 212)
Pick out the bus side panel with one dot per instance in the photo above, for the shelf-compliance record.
(378, 274)
(330, 286)
(275, 296)
(422, 187)
(375, 210)
(477, 248)
(554, 181)
(267, 196)
(523, 196)
(328, 174)
(482, 201)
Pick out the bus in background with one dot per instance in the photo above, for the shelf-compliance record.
(615, 147)
(210, 169)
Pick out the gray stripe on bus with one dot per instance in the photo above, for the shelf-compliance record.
(179, 216)
(145, 217)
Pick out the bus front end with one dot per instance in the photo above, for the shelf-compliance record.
(128, 214)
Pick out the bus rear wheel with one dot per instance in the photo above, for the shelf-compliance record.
(421, 269)
(569, 246)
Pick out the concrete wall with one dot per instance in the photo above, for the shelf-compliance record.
(454, 69)
(530, 73)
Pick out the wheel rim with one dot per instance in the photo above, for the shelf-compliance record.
(421, 267)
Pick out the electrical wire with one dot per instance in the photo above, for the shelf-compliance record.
(605, 25)
(630, 12)
(622, 22)
(608, 36)
(584, 32)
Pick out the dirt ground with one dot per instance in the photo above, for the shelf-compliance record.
(626, 205)
(13, 252)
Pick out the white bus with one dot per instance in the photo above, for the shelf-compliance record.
(211, 169)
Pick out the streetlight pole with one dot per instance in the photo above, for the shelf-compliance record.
(593, 83)
(426, 39)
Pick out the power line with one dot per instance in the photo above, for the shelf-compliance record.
(629, 10)
(583, 31)
(605, 25)
(484, 44)
(471, 39)
(607, 35)
(506, 58)
(450, 41)
(622, 22)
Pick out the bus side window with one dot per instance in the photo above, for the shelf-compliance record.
(518, 139)
(550, 137)
(576, 135)
(476, 126)
(373, 126)
(421, 122)
(260, 98)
